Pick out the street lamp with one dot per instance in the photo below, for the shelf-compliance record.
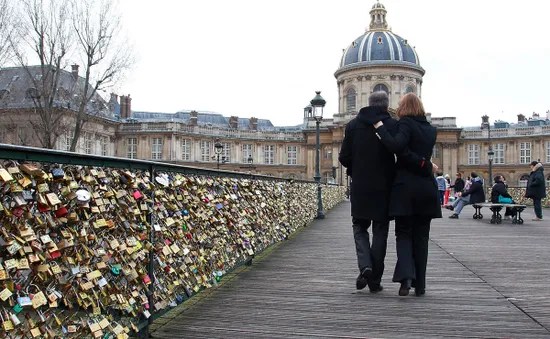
(490, 153)
(317, 105)
(218, 149)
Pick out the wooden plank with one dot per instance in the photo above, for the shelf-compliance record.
(484, 281)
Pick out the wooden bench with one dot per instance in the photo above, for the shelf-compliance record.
(496, 218)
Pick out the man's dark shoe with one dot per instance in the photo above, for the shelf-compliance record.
(405, 287)
(376, 288)
(454, 216)
(450, 207)
(361, 282)
(362, 278)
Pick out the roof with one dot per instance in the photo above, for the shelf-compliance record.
(18, 90)
(208, 118)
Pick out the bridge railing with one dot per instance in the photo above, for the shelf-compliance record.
(98, 246)
(518, 195)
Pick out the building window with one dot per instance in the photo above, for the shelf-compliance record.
(351, 101)
(292, 155)
(88, 147)
(499, 154)
(524, 152)
(4, 93)
(327, 177)
(473, 154)
(523, 180)
(24, 134)
(327, 152)
(269, 154)
(185, 149)
(226, 151)
(548, 151)
(247, 152)
(548, 181)
(381, 87)
(205, 151)
(409, 90)
(156, 148)
(435, 153)
(131, 148)
(69, 135)
(31, 93)
(104, 142)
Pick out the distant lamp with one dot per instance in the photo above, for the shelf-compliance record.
(318, 104)
(218, 147)
(491, 155)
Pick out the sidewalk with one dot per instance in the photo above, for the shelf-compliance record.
(484, 281)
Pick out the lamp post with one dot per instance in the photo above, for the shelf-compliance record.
(318, 104)
(490, 152)
(218, 149)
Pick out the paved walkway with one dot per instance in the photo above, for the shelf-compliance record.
(484, 281)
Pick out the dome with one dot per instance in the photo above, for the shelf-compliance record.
(379, 46)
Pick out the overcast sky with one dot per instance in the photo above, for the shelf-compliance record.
(266, 58)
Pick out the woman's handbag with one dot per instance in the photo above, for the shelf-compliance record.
(505, 200)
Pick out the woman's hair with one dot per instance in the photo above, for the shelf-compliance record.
(410, 106)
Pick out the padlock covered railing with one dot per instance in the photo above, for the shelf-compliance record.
(96, 246)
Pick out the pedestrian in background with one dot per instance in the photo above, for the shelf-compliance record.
(536, 188)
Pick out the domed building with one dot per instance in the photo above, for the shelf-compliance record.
(378, 60)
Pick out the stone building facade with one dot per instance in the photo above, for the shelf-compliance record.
(377, 60)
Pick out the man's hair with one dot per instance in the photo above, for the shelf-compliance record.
(439, 174)
(534, 163)
(473, 174)
(379, 99)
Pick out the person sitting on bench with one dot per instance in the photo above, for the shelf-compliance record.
(499, 195)
(474, 195)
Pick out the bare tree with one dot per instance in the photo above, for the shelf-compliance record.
(8, 28)
(105, 54)
(46, 32)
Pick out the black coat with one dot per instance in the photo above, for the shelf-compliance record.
(476, 192)
(499, 189)
(412, 193)
(371, 165)
(536, 188)
(459, 185)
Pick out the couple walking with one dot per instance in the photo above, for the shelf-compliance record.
(389, 162)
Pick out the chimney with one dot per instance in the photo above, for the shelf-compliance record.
(193, 118)
(114, 98)
(484, 119)
(125, 106)
(75, 71)
(521, 118)
(253, 124)
(233, 122)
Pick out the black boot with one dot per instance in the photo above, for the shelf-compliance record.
(405, 287)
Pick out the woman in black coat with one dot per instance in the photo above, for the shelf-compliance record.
(536, 188)
(414, 200)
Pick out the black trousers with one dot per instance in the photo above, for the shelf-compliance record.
(412, 234)
(367, 255)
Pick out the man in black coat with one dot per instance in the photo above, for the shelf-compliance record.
(536, 188)
(372, 168)
(474, 195)
(459, 183)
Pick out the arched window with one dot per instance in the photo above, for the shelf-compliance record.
(381, 87)
(351, 101)
(31, 93)
(409, 90)
(523, 180)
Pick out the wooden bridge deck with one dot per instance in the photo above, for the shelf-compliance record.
(484, 281)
